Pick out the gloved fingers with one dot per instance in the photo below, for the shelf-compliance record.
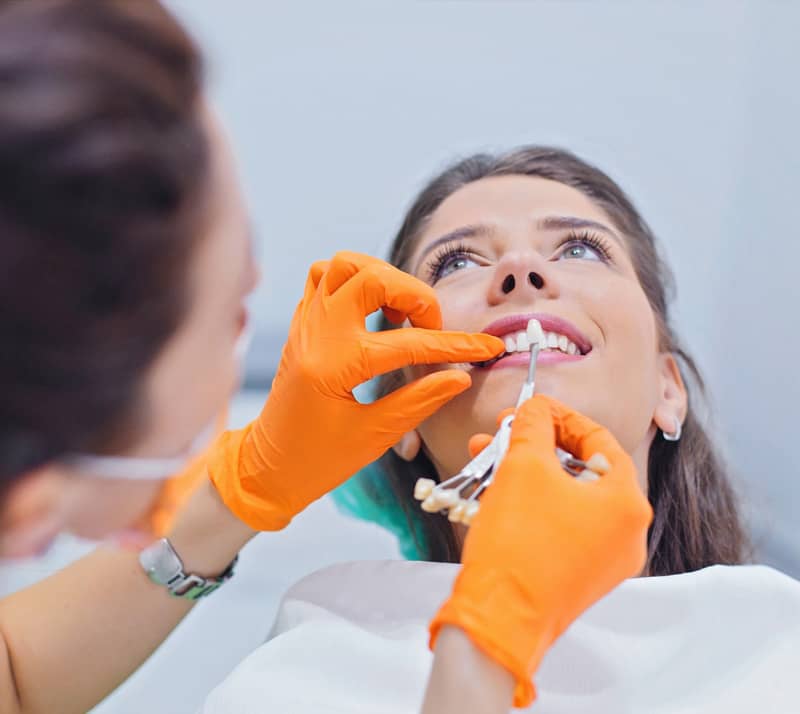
(378, 285)
(394, 349)
(477, 443)
(316, 271)
(394, 316)
(503, 414)
(533, 427)
(410, 405)
(343, 266)
(584, 438)
(315, 274)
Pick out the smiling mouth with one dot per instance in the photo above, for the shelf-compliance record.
(555, 341)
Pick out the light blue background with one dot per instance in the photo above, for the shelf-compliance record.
(340, 110)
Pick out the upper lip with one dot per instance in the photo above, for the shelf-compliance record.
(550, 323)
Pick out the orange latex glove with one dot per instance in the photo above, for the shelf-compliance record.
(544, 547)
(312, 434)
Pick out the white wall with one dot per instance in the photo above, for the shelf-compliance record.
(339, 111)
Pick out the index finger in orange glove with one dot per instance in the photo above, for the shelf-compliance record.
(312, 433)
(477, 443)
(338, 316)
(315, 274)
(584, 438)
(347, 265)
(359, 283)
(543, 546)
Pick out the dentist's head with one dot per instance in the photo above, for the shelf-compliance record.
(125, 258)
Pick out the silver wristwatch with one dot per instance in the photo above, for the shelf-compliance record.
(164, 567)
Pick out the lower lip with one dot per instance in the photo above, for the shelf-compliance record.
(524, 358)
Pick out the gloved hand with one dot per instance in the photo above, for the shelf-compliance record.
(313, 434)
(543, 546)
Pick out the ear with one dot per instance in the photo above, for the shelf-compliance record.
(673, 400)
(32, 514)
(409, 445)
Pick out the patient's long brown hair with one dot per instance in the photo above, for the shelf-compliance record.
(697, 521)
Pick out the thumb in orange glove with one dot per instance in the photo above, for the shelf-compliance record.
(312, 433)
(544, 547)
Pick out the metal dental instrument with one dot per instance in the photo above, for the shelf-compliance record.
(458, 496)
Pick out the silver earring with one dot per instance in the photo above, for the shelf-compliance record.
(675, 435)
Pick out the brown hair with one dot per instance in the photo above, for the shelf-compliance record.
(103, 158)
(696, 521)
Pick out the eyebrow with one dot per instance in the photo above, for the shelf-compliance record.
(554, 223)
(476, 230)
(550, 223)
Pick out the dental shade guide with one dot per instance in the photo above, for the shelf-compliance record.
(457, 497)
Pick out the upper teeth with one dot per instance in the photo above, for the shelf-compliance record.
(521, 342)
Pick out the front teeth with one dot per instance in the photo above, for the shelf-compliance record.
(521, 342)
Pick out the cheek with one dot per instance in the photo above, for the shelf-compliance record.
(620, 386)
(632, 337)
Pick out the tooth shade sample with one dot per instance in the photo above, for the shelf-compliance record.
(423, 488)
(535, 333)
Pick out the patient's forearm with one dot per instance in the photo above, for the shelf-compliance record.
(68, 641)
(464, 680)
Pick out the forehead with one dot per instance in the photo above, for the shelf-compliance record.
(504, 201)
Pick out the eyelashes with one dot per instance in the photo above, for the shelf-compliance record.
(442, 259)
(596, 242)
(445, 260)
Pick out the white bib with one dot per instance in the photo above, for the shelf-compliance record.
(353, 638)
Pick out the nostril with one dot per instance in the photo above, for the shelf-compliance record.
(536, 280)
(508, 284)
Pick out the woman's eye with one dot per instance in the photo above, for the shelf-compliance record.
(452, 264)
(580, 251)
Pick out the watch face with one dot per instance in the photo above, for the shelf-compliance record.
(160, 562)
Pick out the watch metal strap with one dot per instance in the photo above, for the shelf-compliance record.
(164, 567)
(193, 587)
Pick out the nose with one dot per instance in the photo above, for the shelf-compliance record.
(521, 277)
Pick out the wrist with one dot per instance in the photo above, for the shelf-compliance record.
(506, 627)
(206, 534)
(464, 679)
(252, 499)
